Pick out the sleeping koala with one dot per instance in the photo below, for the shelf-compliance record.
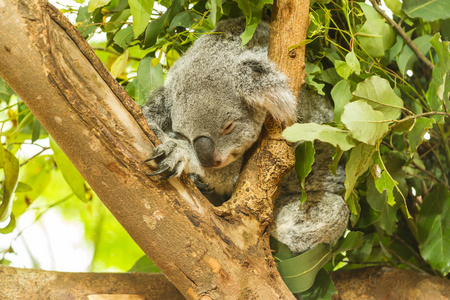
(211, 111)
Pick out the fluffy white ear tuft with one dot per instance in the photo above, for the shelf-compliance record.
(264, 87)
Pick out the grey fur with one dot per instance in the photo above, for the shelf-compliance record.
(218, 81)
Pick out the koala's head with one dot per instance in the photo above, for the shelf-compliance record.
(220, 94)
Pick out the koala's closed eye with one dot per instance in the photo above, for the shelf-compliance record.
(228, 127)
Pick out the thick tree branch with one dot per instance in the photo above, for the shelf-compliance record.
(104, 134)
(367, 283)
(403, 34)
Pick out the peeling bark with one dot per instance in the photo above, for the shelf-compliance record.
(206, 252)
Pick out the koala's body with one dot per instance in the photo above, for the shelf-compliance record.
(210, 112)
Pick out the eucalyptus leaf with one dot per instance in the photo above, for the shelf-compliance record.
(386, 183)
(119, 65)
(434, 229)
(439, 88)
(324, 133)
(123, 37)
(407, 57)
(415, 136)
(358, 163)
(156, 27)
(353, 62)
(376, 36)
(323, 287)
(379, 94)
(69, 172)
(94, 4)
(342, 68)
(141, 10)
(353, 240)
(365, 124)
(300, 271)
(11, 178)
(429, 10)
(148, 79)
(185, 19)
(144, 264)
(304, 159)
(341, 95)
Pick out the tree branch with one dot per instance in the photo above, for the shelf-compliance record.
(403, 34)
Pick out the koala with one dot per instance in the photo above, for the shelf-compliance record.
(210, 111)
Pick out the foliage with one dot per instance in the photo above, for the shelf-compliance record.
(390, 121)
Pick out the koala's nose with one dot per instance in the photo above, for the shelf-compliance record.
(206, 152)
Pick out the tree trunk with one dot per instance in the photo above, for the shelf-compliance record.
(207, 252)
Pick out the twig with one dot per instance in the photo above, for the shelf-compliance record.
(403, 34)
(431, 175)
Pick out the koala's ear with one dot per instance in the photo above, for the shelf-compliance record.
(262, 86)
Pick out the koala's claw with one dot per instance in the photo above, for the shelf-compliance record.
(161, 169)
(203, 187)
(155, 156)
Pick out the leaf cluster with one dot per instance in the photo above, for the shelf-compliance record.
(391, 123)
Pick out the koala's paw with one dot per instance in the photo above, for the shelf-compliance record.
(172, 158)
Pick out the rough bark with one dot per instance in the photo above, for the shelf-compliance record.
(389, 283)
(368, 283)
(18, 284)
(204, 251)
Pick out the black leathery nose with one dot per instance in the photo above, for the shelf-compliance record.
(204, 147)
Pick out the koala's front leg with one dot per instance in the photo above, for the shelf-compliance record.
(173, 157)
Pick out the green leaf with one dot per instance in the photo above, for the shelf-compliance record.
(323, 288)
(216, 11)
(379, 201)
(415, 136)
(407, 57)
(365, 124)
(353, 62)
(395, 6)
(386, 183)
(144, 264)
(23, 188)
(439, 88)
(362, 253)
(123, 37)
(10, 166)
(141, 10)
(341, 95)
(429, 10)
(10, 227)
(300, 271)
(304, 159)
(36, 131)
(379, 94)
(69, 172)
(324, 133)
(434, 229)
(358, 163)
(369, 12)
(148, 79)
(119, 65)
(156, 27)
(116, 20)
(353, 240)
(376, 36)
(94, 4)
(185, 19)
(342, 68)
(37, 174)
